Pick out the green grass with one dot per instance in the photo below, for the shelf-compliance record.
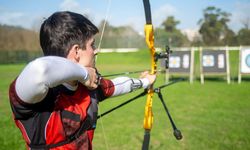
(211, 116)
(10, 137)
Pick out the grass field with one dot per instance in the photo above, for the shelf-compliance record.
(213, 116)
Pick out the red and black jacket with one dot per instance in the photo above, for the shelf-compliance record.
(64, 119)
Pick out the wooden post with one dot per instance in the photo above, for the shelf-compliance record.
(239, 73)
(228, 67)
(191, 75)
(201, 68)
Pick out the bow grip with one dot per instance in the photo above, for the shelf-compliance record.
(148, 114)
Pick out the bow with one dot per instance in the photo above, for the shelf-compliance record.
(149, 38)
(148, 114)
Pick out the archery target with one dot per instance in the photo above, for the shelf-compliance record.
(179, 62)
(208, 60)
(245, 61)
(248, 61)
(221, 61)
(174, 62)
(185, 62)
(214, 61)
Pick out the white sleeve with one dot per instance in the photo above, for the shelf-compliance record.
(43, 73)
(123, 85)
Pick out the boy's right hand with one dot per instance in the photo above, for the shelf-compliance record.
(92, 81)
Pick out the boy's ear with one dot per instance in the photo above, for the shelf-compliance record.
(74, 53)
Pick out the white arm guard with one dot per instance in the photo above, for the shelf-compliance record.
(43, 73)
(125, 85)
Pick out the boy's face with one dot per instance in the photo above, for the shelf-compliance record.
(87, 56)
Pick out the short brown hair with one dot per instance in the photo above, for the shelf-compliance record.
(62, 30)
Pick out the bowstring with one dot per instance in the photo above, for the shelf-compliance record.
(103, 27)
(98, 48)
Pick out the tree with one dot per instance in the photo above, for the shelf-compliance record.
(14, 38)
(214, 28)
(123, 36)
(244, 36)
(244, 33)
(230, 38)
(170, 24)
(246, 22)
(168, 34)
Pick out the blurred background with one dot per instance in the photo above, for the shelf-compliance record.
(213, 115)
(177, 23)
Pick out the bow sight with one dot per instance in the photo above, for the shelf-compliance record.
(164, 55)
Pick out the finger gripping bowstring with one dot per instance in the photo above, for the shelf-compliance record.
(149, 38)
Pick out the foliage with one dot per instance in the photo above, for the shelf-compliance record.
(214, 28)
(16, 38)
(123, 36)
(230, 38)
(170, 35)
(170, 24)
(214, 31)
(244, 36)
(20, 56)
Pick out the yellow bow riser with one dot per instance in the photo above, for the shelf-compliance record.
(148, 114)
(149, 38)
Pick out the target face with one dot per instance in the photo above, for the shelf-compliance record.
(208, 60)
(185, 62)
(248, 60)
(175, 62)
(245, 61)
(221, 61)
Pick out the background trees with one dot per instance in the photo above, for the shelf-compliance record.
(122, 37)
(213, 28)
(168, 34)
(17, 38)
